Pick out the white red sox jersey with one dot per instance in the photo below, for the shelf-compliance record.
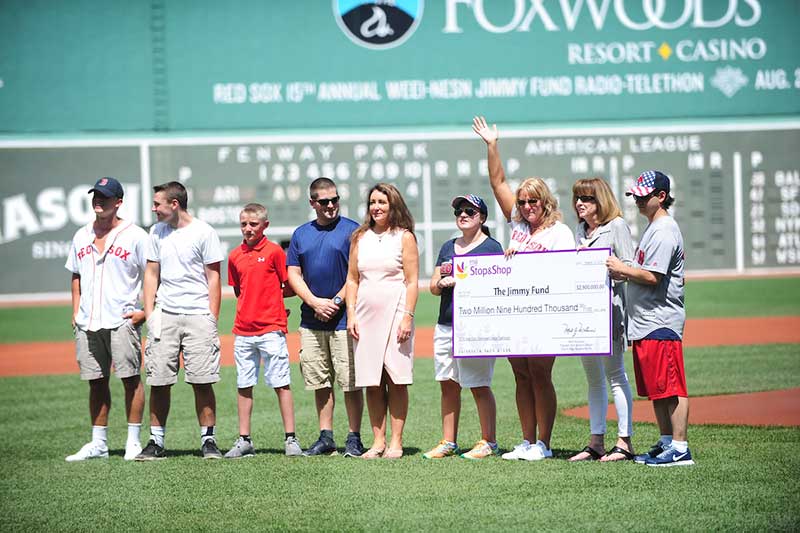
(182, 254)
(652, 307)
(556, 237)
(111, 280)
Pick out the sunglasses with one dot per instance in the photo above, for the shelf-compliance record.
(585, 198)
(466, 210)
(324, 202)
(643, 198)
(530, 201)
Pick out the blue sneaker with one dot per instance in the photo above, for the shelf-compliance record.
(656, 449)
(671, 457)
(323, 446)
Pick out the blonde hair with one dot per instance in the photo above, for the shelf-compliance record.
(607, 206)
(537, 188)
(256, 209)
(399, 214)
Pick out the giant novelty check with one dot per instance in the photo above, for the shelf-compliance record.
(535, 304)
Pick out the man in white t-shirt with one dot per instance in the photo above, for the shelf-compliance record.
(181, 300)
(656, 316)
(107, 261)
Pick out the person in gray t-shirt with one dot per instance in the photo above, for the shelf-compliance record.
(656, 317)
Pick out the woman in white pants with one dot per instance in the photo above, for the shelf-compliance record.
(600, 225)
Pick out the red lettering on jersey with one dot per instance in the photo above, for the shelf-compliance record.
(83, 252)
(118, 251)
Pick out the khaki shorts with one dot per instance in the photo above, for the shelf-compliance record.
(194, 335)
(326, 356)
(97, 350)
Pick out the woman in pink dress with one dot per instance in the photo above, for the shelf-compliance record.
(381, 297)
(535, 226)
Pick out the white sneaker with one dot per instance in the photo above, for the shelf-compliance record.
(537, 452)
(90, 450)
(132, 449)
(518, 452)
(547, 453)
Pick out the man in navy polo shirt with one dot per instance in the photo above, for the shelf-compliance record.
(317, 262)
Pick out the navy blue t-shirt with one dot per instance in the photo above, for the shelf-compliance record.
(445, 264)
(322, 253)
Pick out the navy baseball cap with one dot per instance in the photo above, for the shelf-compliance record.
(477, 201)
(108, 187)
(649, 181)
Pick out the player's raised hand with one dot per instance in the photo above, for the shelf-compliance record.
(489, 135)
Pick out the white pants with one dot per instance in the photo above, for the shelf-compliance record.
(598, 370)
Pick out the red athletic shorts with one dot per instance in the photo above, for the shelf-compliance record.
(658, 365)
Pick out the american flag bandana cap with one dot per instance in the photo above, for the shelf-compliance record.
(647, 182)
(475, 200)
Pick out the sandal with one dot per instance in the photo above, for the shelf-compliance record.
(594, 455)
(393, 453)
(373, 453)
(627, 456)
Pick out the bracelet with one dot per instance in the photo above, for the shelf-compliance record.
(406, 311)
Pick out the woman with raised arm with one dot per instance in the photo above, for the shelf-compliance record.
(381, 298)
(454, 374)
(600, 225)
(535, 225)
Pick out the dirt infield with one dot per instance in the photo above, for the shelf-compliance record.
(769, 408)
(37, 358)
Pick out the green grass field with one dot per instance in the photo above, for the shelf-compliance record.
(745, 479)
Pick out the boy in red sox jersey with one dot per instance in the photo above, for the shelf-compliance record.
(107, 262)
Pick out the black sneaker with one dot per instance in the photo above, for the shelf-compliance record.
(353, 447)
(209, 450)
(323, 446)
(657, 449)
(151, 452)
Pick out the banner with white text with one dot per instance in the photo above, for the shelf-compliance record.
(164, 65)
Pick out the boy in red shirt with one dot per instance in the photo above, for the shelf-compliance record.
(257, 272)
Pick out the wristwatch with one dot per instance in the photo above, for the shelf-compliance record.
(338, 300)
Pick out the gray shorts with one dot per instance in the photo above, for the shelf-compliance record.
(97, 350)
(194, 335)
(325, 357)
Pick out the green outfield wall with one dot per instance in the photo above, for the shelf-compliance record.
(121, 65)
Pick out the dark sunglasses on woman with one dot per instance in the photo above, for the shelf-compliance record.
(466, 210)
